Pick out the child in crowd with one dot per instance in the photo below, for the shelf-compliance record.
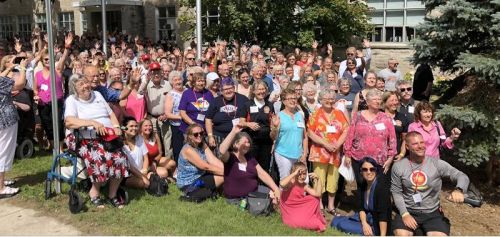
(300, 203)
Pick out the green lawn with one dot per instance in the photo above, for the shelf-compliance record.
(145, 215)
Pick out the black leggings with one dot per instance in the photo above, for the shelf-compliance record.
(45, 112)
(177, 141)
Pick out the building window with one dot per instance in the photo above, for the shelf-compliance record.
(395, 20)
(24, 26)
(67, 21)
(41, 21)
(213, 17)
(6, 27)
(85, 17)
(167, 22)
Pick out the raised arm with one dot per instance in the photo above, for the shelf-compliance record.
(228, 141)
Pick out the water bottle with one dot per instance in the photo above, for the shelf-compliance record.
(243, 204)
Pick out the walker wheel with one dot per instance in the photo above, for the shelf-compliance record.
(75, 202)
(48, 189)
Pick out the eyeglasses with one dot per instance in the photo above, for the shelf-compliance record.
(102, 74)
(351, 63)
(291, 98)
(371, 169)
(189, 59)
(299, 89)
(405, 89)
(349, 54)
(129, 68)
(198, 134)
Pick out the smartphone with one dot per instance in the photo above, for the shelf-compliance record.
(18, 60)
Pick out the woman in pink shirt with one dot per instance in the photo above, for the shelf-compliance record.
(371, 134)
(135, 104)
(42, 92)
(432, 130)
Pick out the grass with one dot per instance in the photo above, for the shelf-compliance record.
(145, 214)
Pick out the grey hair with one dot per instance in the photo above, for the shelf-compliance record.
(172, 75)
(402, 82)
(343, 79)
(73, 79)
(373, 93)
(324, 92)
(309, 87)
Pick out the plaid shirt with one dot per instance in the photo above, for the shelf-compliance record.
(8, 112)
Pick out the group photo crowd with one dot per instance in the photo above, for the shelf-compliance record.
(293, 127)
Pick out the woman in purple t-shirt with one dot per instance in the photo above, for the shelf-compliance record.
(194, 102)
(241, 171)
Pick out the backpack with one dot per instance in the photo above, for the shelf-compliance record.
(157, 186)
(198, 195)
(259, 204)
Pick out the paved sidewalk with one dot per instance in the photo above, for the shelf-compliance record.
(16, 220)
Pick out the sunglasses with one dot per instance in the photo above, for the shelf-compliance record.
(371, 169)
(405, 89)
(190, 59)
(46, 59)
(102, 74)
(349, 54)
(198, 134)
(129, 68)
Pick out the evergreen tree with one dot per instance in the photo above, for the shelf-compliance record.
(462, 36)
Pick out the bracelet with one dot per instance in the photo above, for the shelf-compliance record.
(116, 126)
(210, 134)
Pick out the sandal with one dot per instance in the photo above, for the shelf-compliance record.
(332, 212)
(8, 192)
(8, 182)
(97, 202)
(116, 203)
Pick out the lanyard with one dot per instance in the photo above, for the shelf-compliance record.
(235, 105)
(202, 95)
(417, 176)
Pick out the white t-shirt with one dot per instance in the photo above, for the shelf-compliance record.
(136, 156)
(94, 109)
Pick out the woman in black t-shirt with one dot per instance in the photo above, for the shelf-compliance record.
(255, 117)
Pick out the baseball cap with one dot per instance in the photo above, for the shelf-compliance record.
(154, 66)
(212, 76)
(145, 57)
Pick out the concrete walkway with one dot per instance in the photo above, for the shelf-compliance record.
(16, 220)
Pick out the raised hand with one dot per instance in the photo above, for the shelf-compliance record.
(329, 48)
(359, 54)
(68, 40)
(314, 44)
(97, 45)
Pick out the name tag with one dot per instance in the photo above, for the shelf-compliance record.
(331, 129)
(140, 96)
(394, 122)
(348, 102)
(417, 198)
(254, 109)
(300, 125)
(44, 87)
(151, 143)
(242, 167)
(380, 126)
(411, 109)
(200, 117)
(442, 137)
(235, 121)
(341, 107)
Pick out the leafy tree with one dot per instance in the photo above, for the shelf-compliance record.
(280, 22)
(462, 36)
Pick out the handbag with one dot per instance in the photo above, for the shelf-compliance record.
(346, 172)
(259, 204)
(157, 186)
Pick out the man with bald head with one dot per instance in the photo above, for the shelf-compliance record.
(224, 71)
(91, 74)
(391, 74)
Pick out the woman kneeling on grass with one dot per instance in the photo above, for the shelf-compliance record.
(137, 154)
(242, 171)
(198, 168)
(300, 203)
(163, 166)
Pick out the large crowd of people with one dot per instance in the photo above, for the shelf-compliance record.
(237, 120)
